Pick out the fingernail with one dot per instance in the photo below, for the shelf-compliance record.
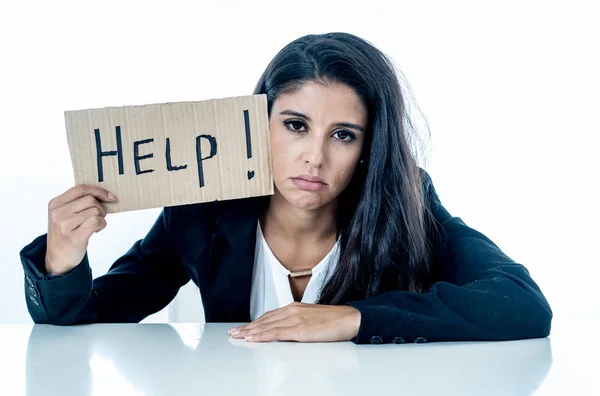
(111, 196)
(249, 337)
(234, 332)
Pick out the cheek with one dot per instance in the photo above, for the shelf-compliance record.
(280, 151)
(346, 171)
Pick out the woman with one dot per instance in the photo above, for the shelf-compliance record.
(354, 244)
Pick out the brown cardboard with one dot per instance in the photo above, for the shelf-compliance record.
(168, 138)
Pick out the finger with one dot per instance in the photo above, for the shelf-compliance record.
(270, 314)
(265, 317)
(78, 219)
(290, 308)
(285, 322)
(258, 327)
(64, 216)
(260, 320)
(90, 226)
(84, 203)
(264, 320)
(79, 191)
(275, 334)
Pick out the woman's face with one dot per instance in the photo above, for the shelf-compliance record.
(317, 135)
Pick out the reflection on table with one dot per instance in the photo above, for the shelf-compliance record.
(182, 359)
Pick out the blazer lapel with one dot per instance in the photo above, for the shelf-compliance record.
(231, 261)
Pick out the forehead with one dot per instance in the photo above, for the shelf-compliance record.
(335, 102)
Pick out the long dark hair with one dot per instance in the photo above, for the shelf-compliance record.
(383, 217)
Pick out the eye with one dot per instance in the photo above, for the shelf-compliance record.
(345, 136)
(294, 125)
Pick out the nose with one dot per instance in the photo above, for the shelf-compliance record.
(316, 151)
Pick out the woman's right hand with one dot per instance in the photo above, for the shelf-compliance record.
(73, 217)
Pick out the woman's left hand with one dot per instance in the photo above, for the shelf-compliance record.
(304, 323)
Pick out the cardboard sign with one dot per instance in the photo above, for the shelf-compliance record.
(171, 154)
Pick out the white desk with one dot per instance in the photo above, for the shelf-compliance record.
(190, 359)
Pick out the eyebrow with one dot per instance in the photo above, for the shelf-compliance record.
(307, 118)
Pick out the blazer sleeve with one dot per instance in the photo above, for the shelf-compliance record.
(139, 283)
(482, 295)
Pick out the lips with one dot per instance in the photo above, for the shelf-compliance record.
(309, 183)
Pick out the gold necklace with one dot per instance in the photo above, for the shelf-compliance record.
(300, 273)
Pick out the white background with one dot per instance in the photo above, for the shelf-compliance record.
(510, 90)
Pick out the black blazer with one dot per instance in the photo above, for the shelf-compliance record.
(479, 294)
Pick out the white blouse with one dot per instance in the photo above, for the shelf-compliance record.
(270, 279)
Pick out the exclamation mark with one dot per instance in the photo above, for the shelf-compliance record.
(248, 141)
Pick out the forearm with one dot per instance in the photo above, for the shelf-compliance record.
(502, 304)
(63, 299)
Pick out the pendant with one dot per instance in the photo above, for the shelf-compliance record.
(300, 273)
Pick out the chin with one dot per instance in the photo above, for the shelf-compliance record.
(309, 201)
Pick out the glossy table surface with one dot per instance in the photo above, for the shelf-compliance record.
(198, 359)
